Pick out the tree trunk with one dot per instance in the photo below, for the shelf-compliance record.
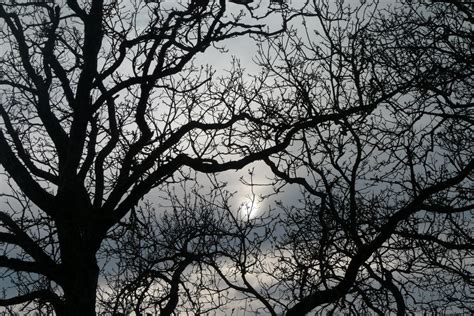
(81, 272)
(80, 288)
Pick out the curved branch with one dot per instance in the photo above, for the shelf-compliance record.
(293, 180)
(22, 153)
(45, 295)
(23, 179)
(318, 298)
(21, 238)
(49, 120)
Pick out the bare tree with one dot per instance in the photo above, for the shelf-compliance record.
(367, 108)
(193, 258)
(386, 219)
(384, 163)
(101, 103)
(382, 152)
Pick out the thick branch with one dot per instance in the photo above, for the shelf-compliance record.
(21, 238)
(44, 295)
(318, 298)
(49, 120)
(22, 153)
(23, 178)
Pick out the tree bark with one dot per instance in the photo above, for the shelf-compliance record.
(79, 245)
(80, 288)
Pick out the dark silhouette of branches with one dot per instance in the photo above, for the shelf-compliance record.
(101, 103)
(384, 226)
(366, 108)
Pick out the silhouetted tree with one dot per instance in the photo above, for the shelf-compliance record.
(101, 103)
(182, 260)
(367, 108)
(384, 162)
(385, 223)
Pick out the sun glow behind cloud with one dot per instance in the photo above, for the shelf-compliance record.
(249, 208)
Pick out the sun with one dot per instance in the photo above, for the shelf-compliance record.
(249, 209)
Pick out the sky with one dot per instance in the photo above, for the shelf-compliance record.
(246, 198)
(244, 49)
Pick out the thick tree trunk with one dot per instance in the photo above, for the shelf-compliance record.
(80, 287)
(80, 270)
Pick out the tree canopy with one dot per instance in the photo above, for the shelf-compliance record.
(365, 107)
